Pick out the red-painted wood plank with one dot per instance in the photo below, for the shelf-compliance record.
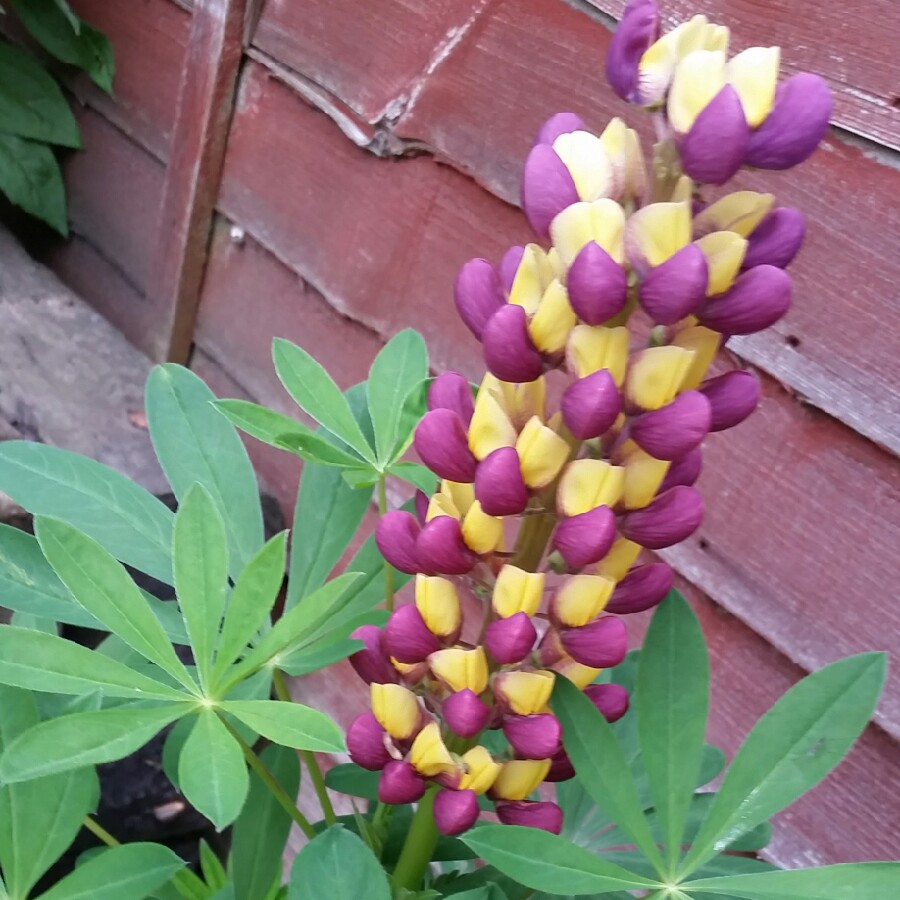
(851, 44)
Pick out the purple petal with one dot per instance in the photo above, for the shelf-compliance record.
(685, 470)
(533, 737)
(642, 588)
(441, 548)
(508, 351)
(732, 397)
(510, 640)
(561, 123)
(400, 783)
(465, 713)
(597, 285)
(450, 390)
(561, 768)
(676, 429)
(670, 518)
(547, 188)
(777, 239)
(591, 405)
(758, 299)
(478, 294)
(372, 663)
(713, 150)
(443, 445)
(499, 485)
(610, 699)
(509, 266)
(637, 30)
(600, 644)
(396, 535)
(422, 501)
(455, 811)
(531, 813)
(407, 636)
(675, 288)
(796, 125)
(365, 743)
(586, 538)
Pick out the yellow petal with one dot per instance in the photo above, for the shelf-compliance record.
(461, 495)
(482, 533)
(739, 212)
(704, 343)
(527, 693)
(396, 709)
(480, 770)
(697, 79)
(724, 252)
(754, 75)
(698, 33)
(438, 603)
(428, 753)
(683, 190)
(441, 505)
(657, 232)
(656, 376)
(643, 476)
(621, 557)
(542, 453)
(602, 221)
(461, 669)
(531, 279)
(593, 347)
(553, 320)
(518, 778)
(580, 675)
(581, 599)
(587, 484)
(584, 155)
(516, 590)
(655, 70)
(490, 427)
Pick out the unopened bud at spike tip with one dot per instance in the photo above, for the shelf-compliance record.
(407, 636)
(455, 811)
(642, 588)
(372, 663)
(510, 640)
(600, 644)
(732, 397)
(440, 548)
(610, 699)
(597, 285)
(465, 713)
(499, 485)
(396, 535)
(637, 30)
(478, 294)
(532, 814)
(450, 390)
(443, 445)
(586, 538)
(668, 520)
(508, 351)
(400, 783)
(676, 287)
(366, 743)
(758, 299)
(533, 737)
(675, 429)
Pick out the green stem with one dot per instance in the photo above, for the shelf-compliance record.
(99, 831)
(388, 570)
(419, 846)
(271, 782)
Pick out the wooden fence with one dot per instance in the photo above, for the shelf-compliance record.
(319, 169)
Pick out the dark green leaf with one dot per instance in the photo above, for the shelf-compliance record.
(547, 862)
(792, 747)
(82, 739)
(261, 830)
(196, 444)
(211, 867)
(289, 724)
(259, 421)
(671, 703)
(319, 655)
(314, 448)
(31, 178)
(212, 773)
(53, 24)
(120, 515)
(129, 872)
(339, 866)
(318, 396)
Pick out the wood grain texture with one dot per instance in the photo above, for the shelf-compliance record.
(851, 44)
(205, 102)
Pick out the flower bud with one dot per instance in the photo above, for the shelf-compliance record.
(656, 375)
(591, 405)
(508, 351)
(542, 453)
(450, 390)
(587, 484)
(519, 777)
(676, 429)
(428, 754)
(795, 126)
(561, 123)
(460, 669)
(478, 294)
(440, 547)
(372, 663)
(531, 813)
(683, 471)
(499, 485)
(601, 221)
(642, 588)
(669, 519)
(713, 148)
(600, 644)
(597, 285)
(516, 590)
(438, 604)
(533, 737)
(465, 713)
(455, 811)
(586, 538)
(547, 188)
(480, 770)
(396, 535)
(400, 783)
(525, 693)
(610, 699)
(443, 445)
(758, 299)
(732, 397)
(561, 768)
(676, 287)
(407, 636)
(510, 640)
(777, 239)
(366, 744)
(580, 599)
(396, 708)
(637, 30)
(655, 233)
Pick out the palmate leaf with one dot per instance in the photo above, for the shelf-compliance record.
(288, 724)
(31, 178)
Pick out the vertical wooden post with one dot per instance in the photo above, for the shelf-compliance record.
(205, 102)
